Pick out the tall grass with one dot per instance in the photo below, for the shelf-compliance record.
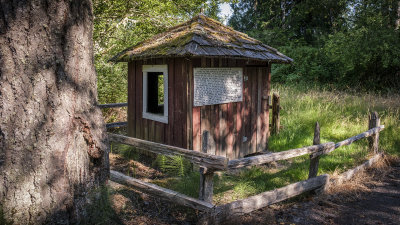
(340, 114)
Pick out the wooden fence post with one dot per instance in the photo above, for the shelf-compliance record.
(275, 114)
(314, 159)
(206, 184)
(373, 140)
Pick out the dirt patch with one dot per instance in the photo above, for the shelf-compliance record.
(139, 170)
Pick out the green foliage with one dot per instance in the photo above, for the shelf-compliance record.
(300, 20)
(371, 56)
(309, 66)
(347, 43)
(362, 60)
(176, 165)
(119, 24)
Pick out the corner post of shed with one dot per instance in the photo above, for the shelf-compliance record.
(374, 121)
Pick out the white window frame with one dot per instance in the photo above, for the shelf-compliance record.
(152, 116)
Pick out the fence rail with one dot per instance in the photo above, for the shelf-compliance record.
(116, 124)
(112, 105)
(276, 156)
(365, 134)
(243, 206)
(210, 163)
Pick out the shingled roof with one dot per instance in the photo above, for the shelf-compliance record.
(202, 36)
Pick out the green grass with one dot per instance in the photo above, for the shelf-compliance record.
(340, 115)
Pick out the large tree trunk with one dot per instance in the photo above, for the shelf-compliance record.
(52, 144)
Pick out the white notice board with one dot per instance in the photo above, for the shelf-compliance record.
(217, 85)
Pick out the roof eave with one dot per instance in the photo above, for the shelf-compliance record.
(134, 58)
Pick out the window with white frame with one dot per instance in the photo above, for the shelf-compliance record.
(155, 92)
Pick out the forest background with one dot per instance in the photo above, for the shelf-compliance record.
(341, 44)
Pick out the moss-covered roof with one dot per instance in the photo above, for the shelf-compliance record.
(202, 36)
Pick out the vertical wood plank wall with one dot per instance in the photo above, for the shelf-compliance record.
(175, 132)
(216, 129)
(225, 126)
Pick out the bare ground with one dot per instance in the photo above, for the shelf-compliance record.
(371, 198)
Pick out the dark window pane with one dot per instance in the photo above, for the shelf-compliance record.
(155, 102)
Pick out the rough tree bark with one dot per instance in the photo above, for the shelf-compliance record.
(52, 145)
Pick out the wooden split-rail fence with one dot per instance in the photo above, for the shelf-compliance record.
(114, 105)
(209, 164)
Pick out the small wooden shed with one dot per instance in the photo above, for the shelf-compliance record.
(201, 85)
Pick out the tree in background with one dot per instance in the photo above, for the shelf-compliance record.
(344, 43)
(53, 148)
(369, 50)
(298, 20)
(120, 24)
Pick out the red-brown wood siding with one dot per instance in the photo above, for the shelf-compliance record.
(175, 132)
(215, 129)
(131, 100)
(138, 91)
(226, 125)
